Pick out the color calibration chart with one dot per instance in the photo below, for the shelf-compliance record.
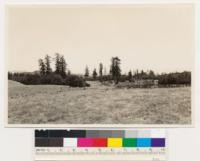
(106, 145)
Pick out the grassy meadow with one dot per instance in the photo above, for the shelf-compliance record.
(98, 104)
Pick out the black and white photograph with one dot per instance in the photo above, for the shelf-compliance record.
(100, 64)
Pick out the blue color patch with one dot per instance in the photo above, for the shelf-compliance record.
(144, 142)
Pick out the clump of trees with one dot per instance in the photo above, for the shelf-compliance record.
(47, 76)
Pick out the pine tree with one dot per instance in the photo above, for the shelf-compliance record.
(100, 70)
(130, 76)
(151, 74)
(48, 69)
(115, 69)
(87, 72)
(60, 65)
(42, 67)
(63, 66)
(94, 74)
(57, 63)
(137, 74)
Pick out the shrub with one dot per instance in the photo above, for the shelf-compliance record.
(52, 79)
(76, 81)
(27, 79)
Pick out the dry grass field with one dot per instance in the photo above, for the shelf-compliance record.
(98, 104)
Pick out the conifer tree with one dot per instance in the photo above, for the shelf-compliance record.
(100, 70)
(41, 67)
(115, 69)
(48, 69)
(63, 66)
(94, 74)
(87, 72)
(57, 63)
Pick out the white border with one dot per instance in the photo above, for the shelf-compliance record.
(96, 2)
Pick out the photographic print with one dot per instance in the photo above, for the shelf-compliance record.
(100, 64)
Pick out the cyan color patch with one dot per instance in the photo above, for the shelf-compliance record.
(144, 142)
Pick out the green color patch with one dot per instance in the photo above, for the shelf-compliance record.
(129, 142)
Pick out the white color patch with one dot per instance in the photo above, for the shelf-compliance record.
(158, 133)
(70, 142)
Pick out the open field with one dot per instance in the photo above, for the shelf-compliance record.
(98, 104)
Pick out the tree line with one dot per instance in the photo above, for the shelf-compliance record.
(176, 78)
(61, 75)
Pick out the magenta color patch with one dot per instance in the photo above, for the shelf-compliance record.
(85, 142)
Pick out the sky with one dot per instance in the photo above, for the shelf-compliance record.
(157, 37)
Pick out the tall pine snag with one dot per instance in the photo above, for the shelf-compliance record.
(48, 69)
(42, 67)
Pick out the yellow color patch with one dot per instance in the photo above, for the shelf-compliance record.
(114, 142)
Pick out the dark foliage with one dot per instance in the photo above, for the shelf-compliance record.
(94, 74)
(175, 78)
(87, 73)
(51, 79)
(106, 78)
(25, 78)
(60, 65)
(115, 69)
(75, 81)
(47, 63)
(130, 76)
(100, 70)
